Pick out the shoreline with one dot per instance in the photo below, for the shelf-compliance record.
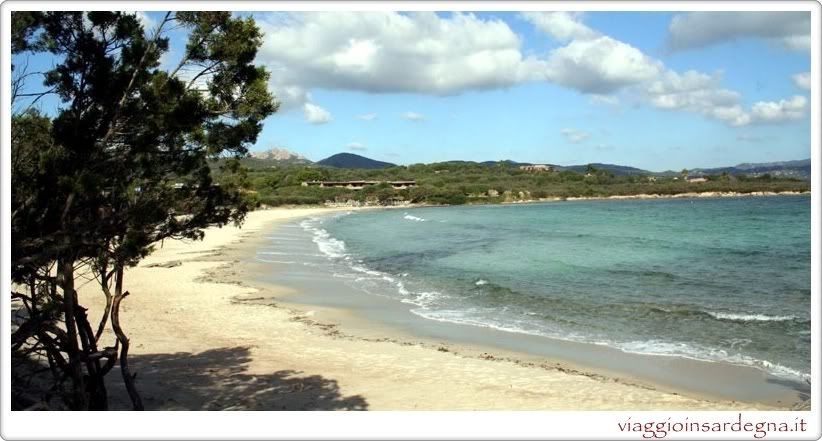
(479, 201)
(702, 194)
(373, 315)
(196, 312)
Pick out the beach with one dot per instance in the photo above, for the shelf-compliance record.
(206, 336)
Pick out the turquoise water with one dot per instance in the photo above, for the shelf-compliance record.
(711, 279)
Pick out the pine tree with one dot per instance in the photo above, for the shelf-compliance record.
(121, 165)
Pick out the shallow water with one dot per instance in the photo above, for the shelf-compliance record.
(710, 279)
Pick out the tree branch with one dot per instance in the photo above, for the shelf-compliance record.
(128, 379)
(133, 78)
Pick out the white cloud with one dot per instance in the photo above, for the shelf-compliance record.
(563, 26)
(316, 114)
(783, 110)
(383, 52)
(426, 53)
(367, 116)
(700, 29)
(591, 62)
(802, 80)
(290, 96)
(733, 115)
(697, 92)
(421, 52)
(691, 90)
(599, 66)
(575, 136)
(701, 93)
(356, 146)
(801, 42)
(413, 116)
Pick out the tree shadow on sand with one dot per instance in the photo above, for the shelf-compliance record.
(218, 380)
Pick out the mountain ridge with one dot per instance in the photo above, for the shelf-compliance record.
(790, 169)
(351, 160)
(280, 155)
(793, 168)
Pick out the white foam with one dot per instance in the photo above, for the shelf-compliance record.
(331, 247)
(676, 349)
(750, 317)
(739, 343)
(423, 299)
(481, 282)
(283, 253)
(426, 298)
(650, 347)
(460, 317)
(413, 218)
(365, 270)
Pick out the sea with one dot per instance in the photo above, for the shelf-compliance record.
(713, 279)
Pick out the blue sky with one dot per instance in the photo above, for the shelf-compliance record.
(652, 90)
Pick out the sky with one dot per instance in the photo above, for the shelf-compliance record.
(659, 91)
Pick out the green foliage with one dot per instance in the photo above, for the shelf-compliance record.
(311, 174)
(23, 25)
(467, 183)
(124, 162)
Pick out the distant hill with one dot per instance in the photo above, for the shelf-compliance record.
(618, 170)
(277, 157)
(280, 156)
(506, 162)
(788, 169)
(350, 160)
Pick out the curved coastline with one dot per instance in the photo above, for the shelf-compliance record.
(702, 194)
(727, 379)
(203, 300)
(481, 201)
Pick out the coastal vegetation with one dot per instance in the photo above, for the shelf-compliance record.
(118, 165)
(457, 183)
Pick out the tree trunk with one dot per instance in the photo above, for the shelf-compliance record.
(95, 384)
(79, 399)
(128, 379)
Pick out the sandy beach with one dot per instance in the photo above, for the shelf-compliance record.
(203, 341)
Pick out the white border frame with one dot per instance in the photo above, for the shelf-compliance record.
(393, 425)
